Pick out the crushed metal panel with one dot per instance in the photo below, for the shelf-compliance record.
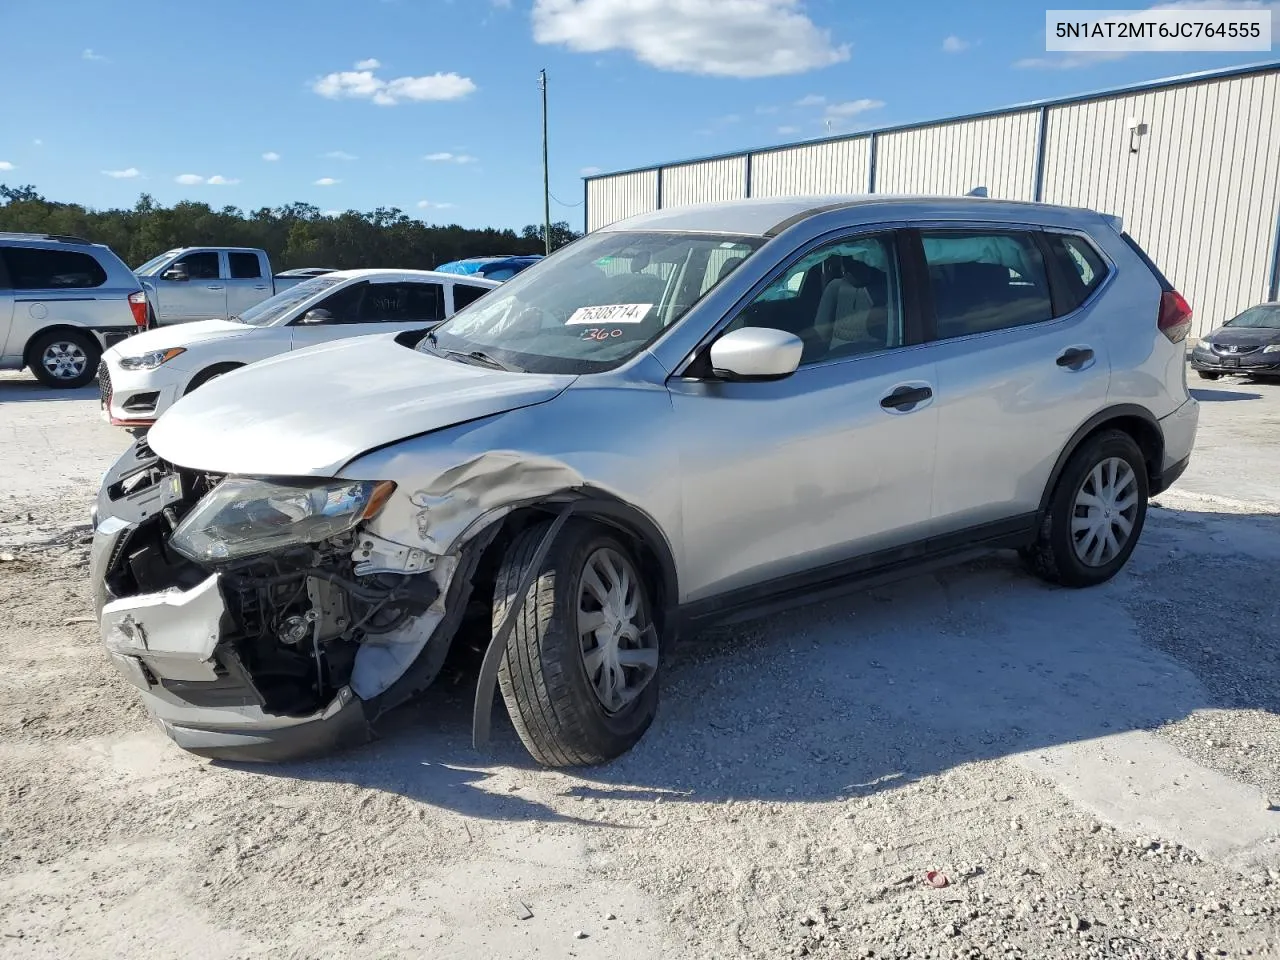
(174, 633)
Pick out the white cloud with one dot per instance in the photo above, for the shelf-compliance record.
(90, 55)
(723, 38)
(812, 100)
(37, 143)
(432, 205)
(1074, 61)
(218, 180)
(370, 64)
(326, 182)
(128, 173)
(590, 171)
(851, 108)
(6, 166)
(362, 84)
(445, 157)
(954, 44)
(787, 131)
(340, 155)
(271, 156)
(189, 179)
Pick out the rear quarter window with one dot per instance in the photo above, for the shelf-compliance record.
(1080, 270)
(32, 268)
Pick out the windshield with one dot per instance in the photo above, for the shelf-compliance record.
(273, 308)
(594, 304)
(154, 262)
(1263, 316)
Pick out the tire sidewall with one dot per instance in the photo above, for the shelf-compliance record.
(1102, 447)
(85, 341)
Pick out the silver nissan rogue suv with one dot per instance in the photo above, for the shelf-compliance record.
(694, 414)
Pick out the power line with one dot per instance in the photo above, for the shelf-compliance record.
(563, 204)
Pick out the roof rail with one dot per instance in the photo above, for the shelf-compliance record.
(59, 237)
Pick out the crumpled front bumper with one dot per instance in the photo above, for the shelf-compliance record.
(165, 645)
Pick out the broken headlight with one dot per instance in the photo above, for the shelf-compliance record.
(243, 518)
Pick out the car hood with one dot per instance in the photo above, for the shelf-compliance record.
(310, 412)
(1245, 336)
(178, 335)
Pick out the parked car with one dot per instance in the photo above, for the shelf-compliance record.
(142, 378)
(1247, 343)
(63, 301)
(196, 283)
(494, 268)
(691, 415)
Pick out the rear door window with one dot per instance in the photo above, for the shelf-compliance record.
(464, 295)
(1081, 269)
(245, 266)
(984, 281)
(31, 268)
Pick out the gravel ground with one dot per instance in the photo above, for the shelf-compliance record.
(1088, 773)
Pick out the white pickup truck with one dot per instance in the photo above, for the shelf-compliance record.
(211, 283)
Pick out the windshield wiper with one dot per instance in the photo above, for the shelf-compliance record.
(480, 358)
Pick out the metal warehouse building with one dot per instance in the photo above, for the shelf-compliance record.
(1191, 163)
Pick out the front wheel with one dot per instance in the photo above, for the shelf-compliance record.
(580, 672)
(1208, 374)
(65, 359)
(1096, 513)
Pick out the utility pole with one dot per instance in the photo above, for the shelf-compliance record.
(546, 173)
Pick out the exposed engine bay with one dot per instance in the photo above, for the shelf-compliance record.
(286, 627)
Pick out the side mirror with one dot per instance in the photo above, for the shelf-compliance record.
(177, 272)
(756, 353)
(318, 315)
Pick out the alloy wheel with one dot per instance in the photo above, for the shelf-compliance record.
(619, 647)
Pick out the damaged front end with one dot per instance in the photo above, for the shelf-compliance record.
(261, 620)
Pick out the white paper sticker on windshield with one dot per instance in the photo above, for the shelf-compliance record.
(609, 313)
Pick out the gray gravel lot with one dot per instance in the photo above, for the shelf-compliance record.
(1092, 772)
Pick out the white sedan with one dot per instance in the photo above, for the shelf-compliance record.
(144, 375)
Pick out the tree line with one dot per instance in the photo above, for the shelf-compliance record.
(294, 235)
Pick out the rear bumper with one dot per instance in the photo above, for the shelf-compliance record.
(1179, 432)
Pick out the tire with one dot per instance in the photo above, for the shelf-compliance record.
(65, 359)
(554, 704)
(211, 373)
(1208, 374)
(1076, 559)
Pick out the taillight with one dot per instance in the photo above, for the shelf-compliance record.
(1175, 316)
(138, 304)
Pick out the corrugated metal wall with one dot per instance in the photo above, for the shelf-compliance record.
(705, 181)
(842, 166)
(619, 197)
(1201, 191)
(998, 153)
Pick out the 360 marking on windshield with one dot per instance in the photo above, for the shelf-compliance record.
(609, 313)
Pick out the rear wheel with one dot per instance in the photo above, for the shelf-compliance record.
(1208, 374)
(580, 672)
(1096, 513)
(65, 358)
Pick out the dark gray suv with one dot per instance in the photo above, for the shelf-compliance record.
(63, 301)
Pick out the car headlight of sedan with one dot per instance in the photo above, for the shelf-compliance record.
(243, 518)
(1204, 345)
(1271, 348)
(149, 361)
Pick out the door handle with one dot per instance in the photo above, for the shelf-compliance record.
(214, 286)
(904, 398)
(259, 286)
(1075, 357)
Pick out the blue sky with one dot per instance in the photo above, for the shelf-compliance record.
(432, 105)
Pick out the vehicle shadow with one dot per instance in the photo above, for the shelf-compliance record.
(893, 684)
(1222, 396)
(24, 387)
